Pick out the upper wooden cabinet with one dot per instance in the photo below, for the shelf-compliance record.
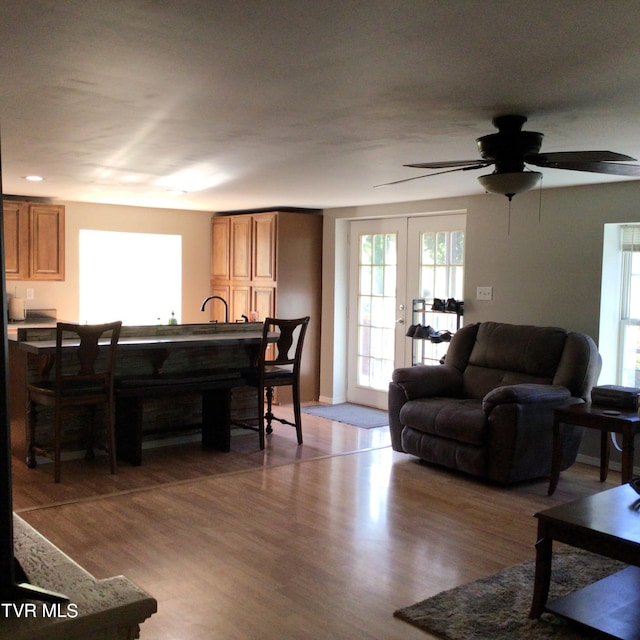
(271, 263)
(34, 241)
(220, 248)
(241, 247)
(16, 240)
(46, 226)
(265, 243)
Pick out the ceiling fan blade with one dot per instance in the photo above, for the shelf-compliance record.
(550, 159)
(437, 173)
(448, 163)
(610, 168)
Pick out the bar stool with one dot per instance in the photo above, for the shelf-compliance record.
(277, 365)
(83, 376)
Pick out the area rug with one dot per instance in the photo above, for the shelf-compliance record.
(497, 607)
(353, 414)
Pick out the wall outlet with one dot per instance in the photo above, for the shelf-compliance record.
(484, 293)
(30, 293)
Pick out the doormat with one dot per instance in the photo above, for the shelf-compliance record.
(497, 607)
(354, 414)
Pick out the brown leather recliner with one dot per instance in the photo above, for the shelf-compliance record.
(488, 411)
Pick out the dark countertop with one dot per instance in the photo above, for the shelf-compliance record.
(40, 347)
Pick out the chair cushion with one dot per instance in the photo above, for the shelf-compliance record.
(273, 376)
(532, 350)
(454, 418)
(448, 453)
(505, 354)
(69, 390)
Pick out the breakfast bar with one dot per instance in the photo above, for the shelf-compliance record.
(170, 380)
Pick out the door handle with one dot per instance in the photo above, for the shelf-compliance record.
(400, 321)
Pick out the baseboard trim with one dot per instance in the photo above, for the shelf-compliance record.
(595, 462)
(329, 400)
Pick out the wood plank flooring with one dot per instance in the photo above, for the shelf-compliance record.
(320, 541)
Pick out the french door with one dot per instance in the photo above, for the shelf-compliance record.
(376, 307)
(393, 261)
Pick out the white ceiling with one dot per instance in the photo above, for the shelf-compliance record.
(302, 103)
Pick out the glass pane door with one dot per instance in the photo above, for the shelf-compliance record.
(376, 308)
(438, 274)
(376, 317)
(392, 262)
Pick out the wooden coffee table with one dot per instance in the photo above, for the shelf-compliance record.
(607, 523)
(604, 419)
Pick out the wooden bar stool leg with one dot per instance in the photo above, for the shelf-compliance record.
(269, 414)
(297, 412)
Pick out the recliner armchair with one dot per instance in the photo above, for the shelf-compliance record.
(488, 411)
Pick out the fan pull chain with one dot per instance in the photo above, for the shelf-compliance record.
(509, 219)
(540, 201)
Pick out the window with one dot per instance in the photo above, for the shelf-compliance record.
(441, 276)
(133, 277)
(376, 309)
(629, 335)
(442, 264)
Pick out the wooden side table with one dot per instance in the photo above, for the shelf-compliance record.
(606, 523)
(606, 420)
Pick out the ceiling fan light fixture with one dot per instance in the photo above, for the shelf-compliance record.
(509, 184)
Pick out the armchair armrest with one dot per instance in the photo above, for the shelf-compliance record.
(540, 394)
(423, 381)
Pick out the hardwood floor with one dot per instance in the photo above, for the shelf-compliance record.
(320, 541)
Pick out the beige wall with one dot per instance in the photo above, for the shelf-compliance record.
(545, 270)
(548, 269)
(193, 226)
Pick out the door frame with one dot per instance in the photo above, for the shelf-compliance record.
(413, 225)
(355, 393)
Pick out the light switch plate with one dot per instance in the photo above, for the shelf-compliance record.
(484, 293)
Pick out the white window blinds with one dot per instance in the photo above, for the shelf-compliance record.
(630, 237)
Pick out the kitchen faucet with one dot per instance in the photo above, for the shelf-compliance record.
(224, 302)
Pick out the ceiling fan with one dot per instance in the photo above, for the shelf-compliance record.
(511, 149)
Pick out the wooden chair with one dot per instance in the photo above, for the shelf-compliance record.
(277, 365)
(83, 380)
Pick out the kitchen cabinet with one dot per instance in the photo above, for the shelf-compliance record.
(241, 248)
(265, 244)
(16, 240)
(34, 240)
(220, 249)
(270, 262)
